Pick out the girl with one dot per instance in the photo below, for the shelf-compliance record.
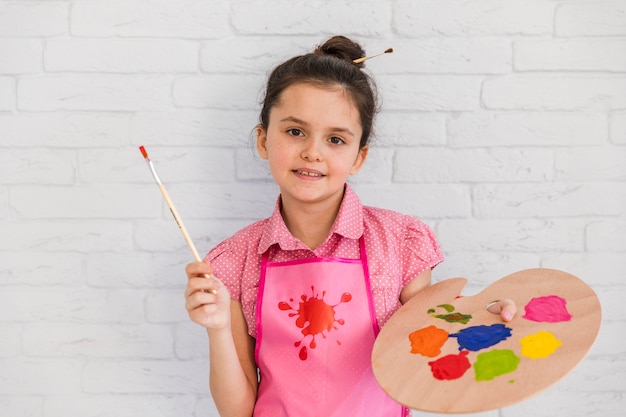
(297, 299)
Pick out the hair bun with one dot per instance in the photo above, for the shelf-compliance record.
(342, 48)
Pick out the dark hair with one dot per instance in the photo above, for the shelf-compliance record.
(330, 64)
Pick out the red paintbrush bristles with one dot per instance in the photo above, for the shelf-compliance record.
(143, 152)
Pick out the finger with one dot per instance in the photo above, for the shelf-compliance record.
(506, 308)
(201, 284)
(197, 269)
(199, 299)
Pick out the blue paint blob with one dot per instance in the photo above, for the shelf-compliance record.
(480, 337)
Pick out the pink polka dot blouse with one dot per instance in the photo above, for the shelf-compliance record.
(399, 247)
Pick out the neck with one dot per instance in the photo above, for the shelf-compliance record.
(311, 223)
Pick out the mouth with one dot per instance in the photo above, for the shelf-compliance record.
(307, 173)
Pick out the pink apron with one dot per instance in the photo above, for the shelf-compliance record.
(316, 326)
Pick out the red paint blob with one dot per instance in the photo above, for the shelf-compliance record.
(314, 317)
(450, 366)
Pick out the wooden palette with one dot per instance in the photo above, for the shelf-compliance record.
(485, 363)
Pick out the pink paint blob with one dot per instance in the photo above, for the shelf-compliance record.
(550, 308)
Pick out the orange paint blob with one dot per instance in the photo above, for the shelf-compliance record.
(428, 341)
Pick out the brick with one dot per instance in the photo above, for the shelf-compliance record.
(123, 165)
(312, 18)
(481, 267)
(49, 269)
(121, 55)
(250, 201)
(137, 270)
(442, 55)
(610, 302)
(205, 407)
(120, 405)
(399, 128)
(85, 202)
(430, 92)
(60, 129)
(4, 202)
(595, 268)
(37, 167)
(470, 235)
(34, 377)
(70, 305)
(20, 56)
(606, 18)
(194, 127)
(378, 168)
(61, 236)
(94, 92)
(7, 94)
(483, 17)
(98, 341)
(251, 54)
(555, 92)
(250, 166)
(473, 165)
(608, 235)
(560, 403)
(33, 19)
(527, 129)
(208, 231)
(189, 19)
(618, 127)
(22, 405)
(420, 200)
(605, 344)
(231, 91)
(154, 377)
(548, 200)
(9, 343)
(601, 164)
(570, 54)
(166, 307)
(192, 341)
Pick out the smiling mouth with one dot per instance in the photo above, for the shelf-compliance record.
(308, 173)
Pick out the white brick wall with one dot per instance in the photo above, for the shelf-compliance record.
(503, 127)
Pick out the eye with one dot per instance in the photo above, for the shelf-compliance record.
(295, 132)
(336, 140)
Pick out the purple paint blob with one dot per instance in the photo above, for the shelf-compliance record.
(550, 308)
(480, 337)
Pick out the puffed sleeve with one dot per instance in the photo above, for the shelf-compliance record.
(420, 251)
(228, 264)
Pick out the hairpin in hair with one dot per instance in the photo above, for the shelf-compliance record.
(365, 58)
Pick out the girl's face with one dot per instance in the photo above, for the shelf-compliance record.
(312, 143)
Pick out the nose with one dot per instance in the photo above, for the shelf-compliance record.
(311, 150)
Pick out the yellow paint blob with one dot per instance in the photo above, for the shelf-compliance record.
(539, 345)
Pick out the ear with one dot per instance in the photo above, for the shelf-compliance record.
(261, 141)
(360, 160)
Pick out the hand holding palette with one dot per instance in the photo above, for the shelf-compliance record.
(448, 354)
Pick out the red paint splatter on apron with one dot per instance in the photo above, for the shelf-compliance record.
(315, 317)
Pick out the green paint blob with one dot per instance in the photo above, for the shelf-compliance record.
(448, 307)
(430, 311)
(491, 364)
(454, 317)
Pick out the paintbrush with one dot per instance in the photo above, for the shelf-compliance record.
(173, 210)
(365, 58)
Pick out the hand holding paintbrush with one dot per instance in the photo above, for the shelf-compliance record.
(173, 210)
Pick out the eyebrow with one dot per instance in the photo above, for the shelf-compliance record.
(302, 122)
